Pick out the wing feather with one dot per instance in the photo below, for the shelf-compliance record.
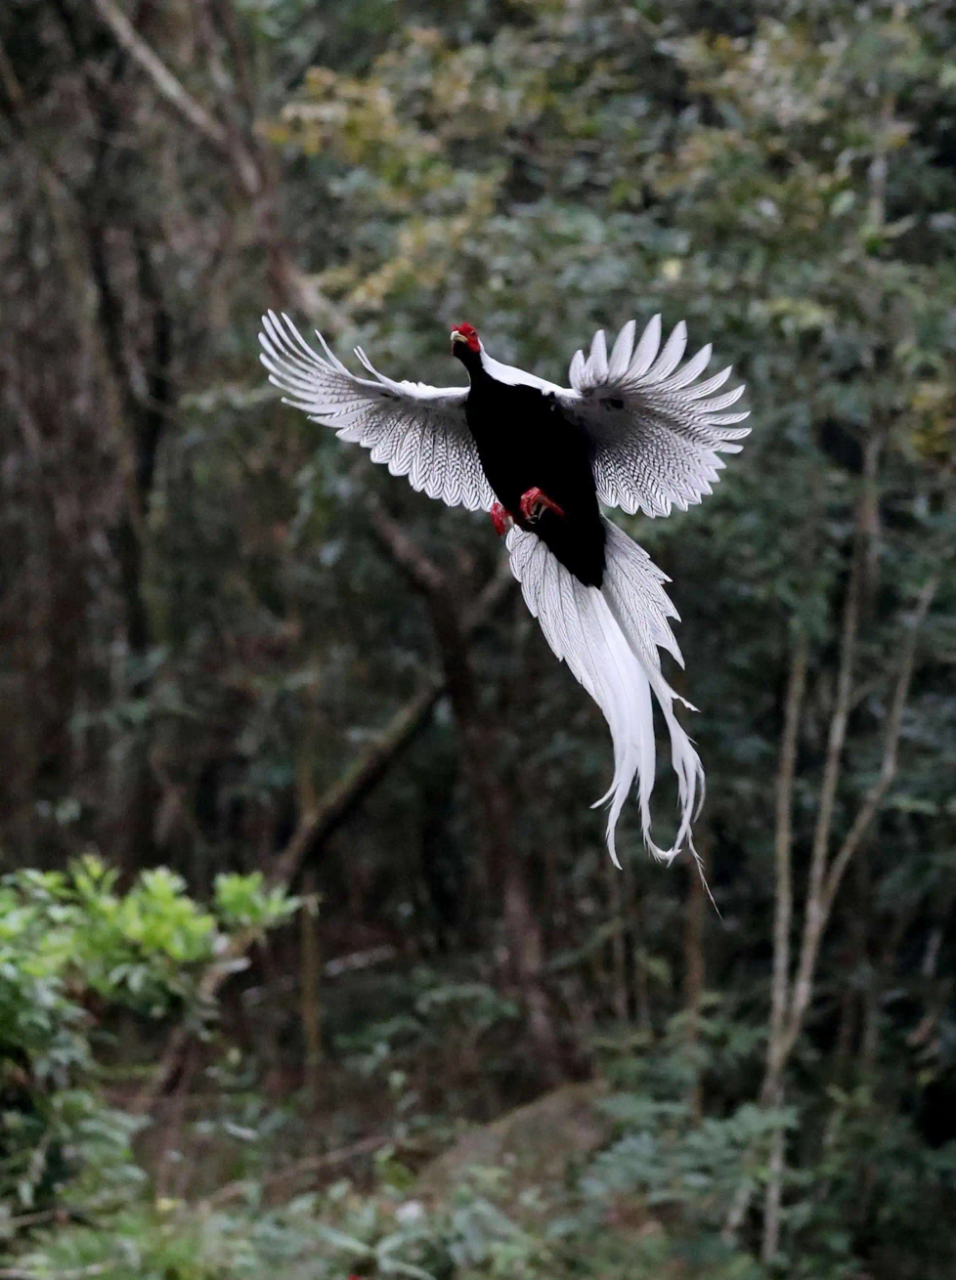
(414, 429)
(621, 352)
(670, 357)
(647, 347)
(657, 433)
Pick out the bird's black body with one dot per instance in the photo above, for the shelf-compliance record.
(525, 441)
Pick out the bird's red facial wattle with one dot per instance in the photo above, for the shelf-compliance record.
(467, 335)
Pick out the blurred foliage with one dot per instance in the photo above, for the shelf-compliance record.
(200, 638)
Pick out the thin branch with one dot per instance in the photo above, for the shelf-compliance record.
(783, 842)
(232, 960)
(181, 100)
(310, 1164)
(879, 165)
(810, 944)
(773, 1201)
(822, 907)
(771, 1092)
(163, 79)
(411, 559)
(250, 163)
(317, 824)
(814, 920)
(888, 766)
(835, 744)
(341, 799)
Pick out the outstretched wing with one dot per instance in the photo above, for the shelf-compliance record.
(657, 433)
(417, 430)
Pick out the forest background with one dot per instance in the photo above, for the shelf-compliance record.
(301, 880)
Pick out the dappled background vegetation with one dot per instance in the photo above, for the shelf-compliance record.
(283, 916)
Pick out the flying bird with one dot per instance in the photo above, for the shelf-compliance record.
(636, 429)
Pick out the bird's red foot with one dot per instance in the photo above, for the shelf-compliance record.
(501, 519)
(533, 502)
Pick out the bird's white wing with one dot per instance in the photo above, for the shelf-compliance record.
(416, 430)
(657, 432)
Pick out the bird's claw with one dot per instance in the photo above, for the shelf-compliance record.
(534, 502)
(501, 519)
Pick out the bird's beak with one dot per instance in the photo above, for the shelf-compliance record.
(457, 336)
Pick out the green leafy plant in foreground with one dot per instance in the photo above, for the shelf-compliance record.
(71, 944)
(345, 1233)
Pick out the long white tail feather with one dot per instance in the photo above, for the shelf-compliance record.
(610, 639)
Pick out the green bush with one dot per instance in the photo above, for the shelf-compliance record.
(69, 943)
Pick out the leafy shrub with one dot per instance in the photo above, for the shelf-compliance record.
(69, 942)
(343, 1233)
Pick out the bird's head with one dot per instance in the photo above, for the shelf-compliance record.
(465, 344)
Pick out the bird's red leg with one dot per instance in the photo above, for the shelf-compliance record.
(533, 502)
(500, 518)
